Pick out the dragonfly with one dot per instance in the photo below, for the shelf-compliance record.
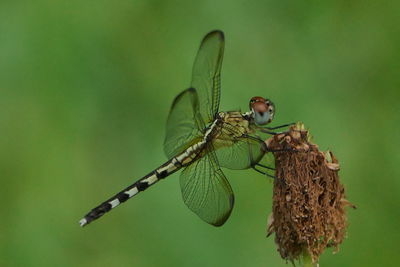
(201, 140)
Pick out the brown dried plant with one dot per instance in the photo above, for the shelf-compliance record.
(308, 199)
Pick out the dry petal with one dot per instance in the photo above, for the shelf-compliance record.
(333, 166)
(270, 224)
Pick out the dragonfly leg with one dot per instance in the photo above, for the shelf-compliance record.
(269, 132)
(279, 180)
(269, 168)
(280, 126)
(267, 149)
(257, 170)
(263, 173)
(266, 130)
(271, 176)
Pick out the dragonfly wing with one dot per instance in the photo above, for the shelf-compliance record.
(240, 153)
(206, 191)
(206, 73)
(184, 123)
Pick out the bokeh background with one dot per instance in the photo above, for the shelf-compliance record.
(85, 89)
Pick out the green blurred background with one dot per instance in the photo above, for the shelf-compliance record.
(85, 88)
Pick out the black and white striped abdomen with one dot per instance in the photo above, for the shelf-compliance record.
(171, 166)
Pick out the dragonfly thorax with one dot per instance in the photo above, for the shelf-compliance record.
(235, 123)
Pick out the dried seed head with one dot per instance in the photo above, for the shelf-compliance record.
(308, 199)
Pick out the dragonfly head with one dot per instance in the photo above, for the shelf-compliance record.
(262, 110)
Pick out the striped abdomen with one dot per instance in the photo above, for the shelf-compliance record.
(171, 166)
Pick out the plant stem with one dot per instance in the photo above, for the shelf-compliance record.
(307, 260)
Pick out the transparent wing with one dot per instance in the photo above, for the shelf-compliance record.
(206, 191)
(206, 73)
(184, 123)
(240, 153)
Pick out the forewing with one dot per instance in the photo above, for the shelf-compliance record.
(184, 123)
(239, 153)
(206, 191)
(206, 73)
